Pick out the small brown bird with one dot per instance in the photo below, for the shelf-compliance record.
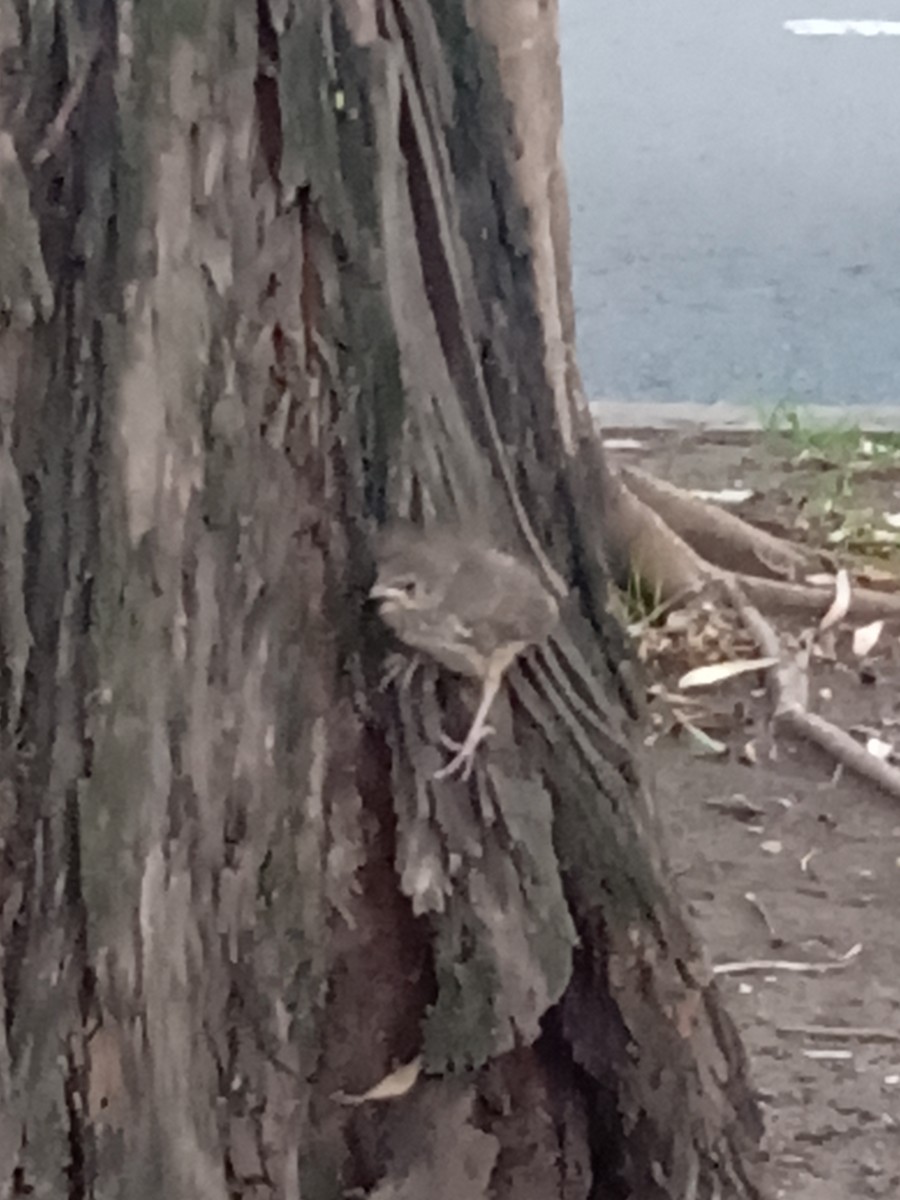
(471, 608)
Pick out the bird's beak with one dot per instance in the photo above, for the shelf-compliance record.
(383, 591)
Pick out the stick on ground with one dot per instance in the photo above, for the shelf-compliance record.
(788, 686)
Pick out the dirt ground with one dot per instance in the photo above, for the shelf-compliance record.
(781, 860)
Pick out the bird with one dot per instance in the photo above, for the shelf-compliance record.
(469, 606)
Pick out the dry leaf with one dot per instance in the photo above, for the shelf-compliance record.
(879, 749)
(623, 443)
(748, 754)
(717, 672)
(840, 605)
(702, 745)
(397, 1084)
(725, 496)
(807, 859)
(865, 637)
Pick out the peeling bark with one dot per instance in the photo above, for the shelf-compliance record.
(279, 277)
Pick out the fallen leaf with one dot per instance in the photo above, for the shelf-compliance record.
(807, 859)
(879, 749)
(773, 847)
(753, 900)
(702, 745)
(821, 579)
(865, 637)
(397, 1084)
(748, 754)
(717, 672)
(724, 496)
(840, 605)
(622, 444)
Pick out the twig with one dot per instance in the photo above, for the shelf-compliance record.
(775, 940)
(863, 1033)
(755, 965)
(788, 685)
(840, 745)
(54, 133)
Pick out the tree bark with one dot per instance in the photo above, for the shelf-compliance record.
(271, 275)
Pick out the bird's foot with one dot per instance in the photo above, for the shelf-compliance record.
(463, 760)
(399, 666)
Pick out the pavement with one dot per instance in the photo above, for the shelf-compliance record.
(735, 193)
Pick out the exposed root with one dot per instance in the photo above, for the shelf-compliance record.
(648, 547)
(775, 596)
(718, 536)
(663, 550)
(681, 545)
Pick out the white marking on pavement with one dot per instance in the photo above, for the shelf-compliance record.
(818, 27)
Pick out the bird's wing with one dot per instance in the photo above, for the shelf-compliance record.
(500, 599)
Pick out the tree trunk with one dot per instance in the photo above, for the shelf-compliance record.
(270, 275)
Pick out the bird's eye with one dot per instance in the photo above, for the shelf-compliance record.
(410, 587)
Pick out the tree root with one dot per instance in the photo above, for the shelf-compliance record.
(719, 536)
(678, 545)
(776, 596)
(681, 545)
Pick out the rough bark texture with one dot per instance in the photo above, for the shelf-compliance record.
(269, 274)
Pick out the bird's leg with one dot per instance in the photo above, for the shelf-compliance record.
(479, 730)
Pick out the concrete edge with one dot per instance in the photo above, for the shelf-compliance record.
(634, 414)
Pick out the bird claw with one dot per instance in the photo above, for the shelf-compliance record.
(453, 744)
(399, 665)
(463, 760)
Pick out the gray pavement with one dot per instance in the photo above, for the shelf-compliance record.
(735, 195)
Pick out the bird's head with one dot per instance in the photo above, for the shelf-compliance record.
(397, 589)
(412, 572)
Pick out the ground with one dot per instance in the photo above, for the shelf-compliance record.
(778, 859)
